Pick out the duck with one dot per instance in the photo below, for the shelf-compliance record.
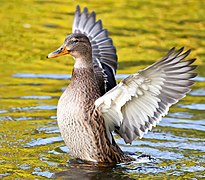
(94, 105)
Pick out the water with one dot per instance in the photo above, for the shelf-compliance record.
(31, 145)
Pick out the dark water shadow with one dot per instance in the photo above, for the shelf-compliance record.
(88, 171)
(65, 13)
(78, 169)
(191, 21)
(49, 25)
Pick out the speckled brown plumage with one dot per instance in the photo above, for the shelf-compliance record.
(82, 93)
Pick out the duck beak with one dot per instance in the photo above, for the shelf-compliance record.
(59, 52)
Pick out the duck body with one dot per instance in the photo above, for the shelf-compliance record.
(81, 125)
(73, 118)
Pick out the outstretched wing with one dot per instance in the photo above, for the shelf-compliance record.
(140, 101)
(103, 51)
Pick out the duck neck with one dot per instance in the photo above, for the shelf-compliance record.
(83, 82)
(83, 62)
(83, 73)
(83, 69)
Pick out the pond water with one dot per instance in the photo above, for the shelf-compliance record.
(31, 145)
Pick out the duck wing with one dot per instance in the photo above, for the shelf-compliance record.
(140, 101)
(103, 52)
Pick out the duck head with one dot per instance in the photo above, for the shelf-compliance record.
(78, 46)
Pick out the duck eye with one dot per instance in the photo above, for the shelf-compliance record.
(74, 41)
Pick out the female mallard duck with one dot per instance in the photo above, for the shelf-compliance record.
(93, 106)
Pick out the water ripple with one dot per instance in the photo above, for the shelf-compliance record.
(198, 92)
(199, 79)
(168, 137)
(159, 154)
(3, 111)
(59, 150)
(193, 106)
(200, 146)
(47, 107)
(193, 168)
(184, 124)
(46, 174)
(186, 115)
(49, 130)
(55, 76)
(43, 76)
(45, 141)
(68, 76)
(37, 97)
